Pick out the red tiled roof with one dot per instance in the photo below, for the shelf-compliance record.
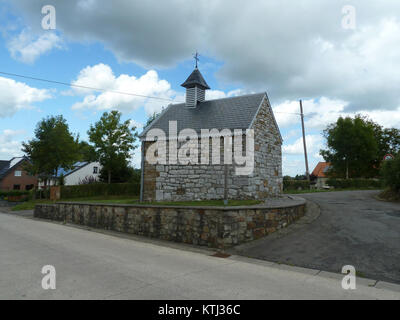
(319, 170)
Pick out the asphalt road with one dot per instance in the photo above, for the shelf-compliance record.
(353, 229)
(91, 265)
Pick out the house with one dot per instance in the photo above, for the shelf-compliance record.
(14, 177)
(223, 119)
(80, 173)
(319, 175)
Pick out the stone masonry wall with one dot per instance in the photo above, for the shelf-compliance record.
(208, 226)
(267, 179)
(206, 182)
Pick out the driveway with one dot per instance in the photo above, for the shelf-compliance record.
(353, 229)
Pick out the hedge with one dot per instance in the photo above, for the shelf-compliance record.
(391, 174)
(291, 185)
(13, 193)
(354, 183)
(100, 189)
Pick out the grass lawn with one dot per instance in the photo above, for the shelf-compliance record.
(324, 190)
(207, 203)
(30, 205)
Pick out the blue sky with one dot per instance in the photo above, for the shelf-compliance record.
(146, 48)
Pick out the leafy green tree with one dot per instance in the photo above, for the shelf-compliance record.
(113, 141)
(87, 152)
(53, 147)
(391, 173)
(388, 140)
(121, 171)
(351, 146)
(151, 118)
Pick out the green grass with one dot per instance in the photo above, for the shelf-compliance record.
(324, 190)
(389, 195)
(30, 205)
(207, 203)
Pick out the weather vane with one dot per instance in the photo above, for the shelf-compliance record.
(196, 57)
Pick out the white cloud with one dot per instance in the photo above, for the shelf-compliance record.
(314, 144)
(136, 124)
(28, 48)
(322, 112)
(15, 96)
(291, 51)
(9, 146)
(102, 76)
(218, 94)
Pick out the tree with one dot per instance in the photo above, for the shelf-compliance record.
(388, 140)
(53, 147)
(122, 172)
(113, 141)
(150, 119)
(391, 173)
(87, 152)
(352, 146)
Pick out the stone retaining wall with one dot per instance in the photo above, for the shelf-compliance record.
(217, 227)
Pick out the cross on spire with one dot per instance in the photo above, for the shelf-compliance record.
(196, 58)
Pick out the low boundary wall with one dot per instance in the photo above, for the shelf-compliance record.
(217, 227)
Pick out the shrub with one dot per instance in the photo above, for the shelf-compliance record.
(291, 185)
(43, 194)
(391, 174)
(100, 189)
(354, 183)
(14, 195)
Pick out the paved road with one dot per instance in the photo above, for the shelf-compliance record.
(353, 229)
(92, 265)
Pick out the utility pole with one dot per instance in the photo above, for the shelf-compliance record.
(304, 140)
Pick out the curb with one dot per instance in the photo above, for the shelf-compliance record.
(365, 282)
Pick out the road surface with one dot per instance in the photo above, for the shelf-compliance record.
(353, 229)
(92, 265)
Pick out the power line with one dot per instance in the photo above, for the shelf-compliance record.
(103, 90)
(84, 87)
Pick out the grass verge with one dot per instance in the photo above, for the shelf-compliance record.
(324, 190)
(207, 203)
(30, 205)
(389, 195)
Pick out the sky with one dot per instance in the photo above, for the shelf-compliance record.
(340, 57)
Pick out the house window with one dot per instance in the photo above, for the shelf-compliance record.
(95, 170)
(18, 173)
(17, 187)
(29, 187)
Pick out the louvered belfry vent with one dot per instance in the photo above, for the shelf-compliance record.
(196, 88)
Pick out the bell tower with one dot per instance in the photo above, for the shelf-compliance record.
(195, 86)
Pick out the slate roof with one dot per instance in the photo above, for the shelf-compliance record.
(5, 166)
(228, 113)
(195, 79)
